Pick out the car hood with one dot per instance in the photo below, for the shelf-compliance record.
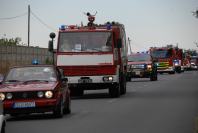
(28, 87)
(137, 63)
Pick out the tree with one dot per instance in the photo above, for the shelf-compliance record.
(11, 41)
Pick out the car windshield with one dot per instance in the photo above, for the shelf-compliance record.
(24, 74)
(85, 42)
(139, 57)
(160, 54)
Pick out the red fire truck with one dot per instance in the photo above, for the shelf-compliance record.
(169, 59)
(93, 57)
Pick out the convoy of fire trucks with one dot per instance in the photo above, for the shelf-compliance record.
(169, 59)
(93, 57)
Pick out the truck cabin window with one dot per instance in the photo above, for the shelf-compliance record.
(85, 42)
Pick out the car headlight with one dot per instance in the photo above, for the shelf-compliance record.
(149, 66)
(9, 95)
(2, 96)
(48, 94)
(40, 94)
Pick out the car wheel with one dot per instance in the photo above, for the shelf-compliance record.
(67, 108)
(58, 112)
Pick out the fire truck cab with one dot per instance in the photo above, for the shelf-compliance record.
(93, 57)
(168, 59)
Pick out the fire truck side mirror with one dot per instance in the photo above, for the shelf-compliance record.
(50, 46)
(119, 43)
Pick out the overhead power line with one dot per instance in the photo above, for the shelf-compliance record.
(42, 22)
(14, 17)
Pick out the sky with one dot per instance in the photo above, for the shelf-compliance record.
(148, 23)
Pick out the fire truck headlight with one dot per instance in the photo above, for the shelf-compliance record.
(108, 79)
(176, 64)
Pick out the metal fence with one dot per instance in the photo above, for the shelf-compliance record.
(22, 55)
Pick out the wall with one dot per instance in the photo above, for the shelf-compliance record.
(21, 55)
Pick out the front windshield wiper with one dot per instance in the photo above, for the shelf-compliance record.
(8, 81)
(35, 81)
(98, 50)
(141, 60)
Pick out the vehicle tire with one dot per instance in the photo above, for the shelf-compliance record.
(153, 77)
(14, 115)
(58, 112)
(77, 92)
(172, 72)
(178, 70)
(114, 91)
(67, 108)
(128, 78)
(123, 85)
(3, 127)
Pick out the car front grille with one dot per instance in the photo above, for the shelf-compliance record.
(24, 95)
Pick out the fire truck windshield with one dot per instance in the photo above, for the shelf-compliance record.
(85, 42)
(160, 54)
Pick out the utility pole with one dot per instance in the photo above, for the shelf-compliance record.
(28, 25)
(130, 45)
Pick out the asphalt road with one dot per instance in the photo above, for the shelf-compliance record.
(169, 105)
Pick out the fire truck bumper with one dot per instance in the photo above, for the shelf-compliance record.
(92, 82)
(166, 70)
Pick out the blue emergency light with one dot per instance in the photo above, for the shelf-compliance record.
(109, 26)
(35, 62)
(63, 27)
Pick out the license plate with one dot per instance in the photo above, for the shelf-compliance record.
(85, 81)
(24, 105)
(137, 72)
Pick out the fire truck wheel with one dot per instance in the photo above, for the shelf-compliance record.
(58, 112)
(114, 91)
(173, 72)
(128, 78)
(123, 85)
